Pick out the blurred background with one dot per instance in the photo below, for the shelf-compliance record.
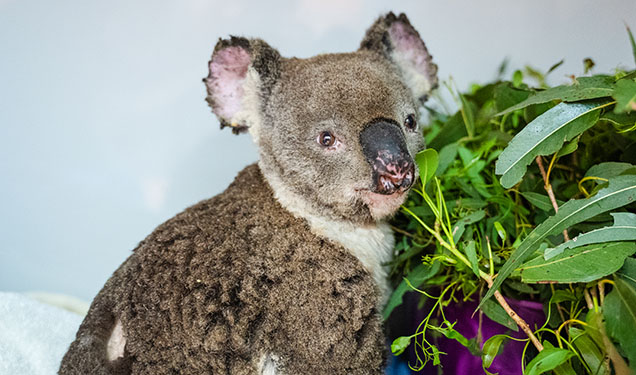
(104, 132)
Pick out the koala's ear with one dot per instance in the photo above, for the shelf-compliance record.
(241, 75)
(395, 39)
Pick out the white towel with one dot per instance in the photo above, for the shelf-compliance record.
(33, 335)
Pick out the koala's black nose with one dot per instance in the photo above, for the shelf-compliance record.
(384, 147)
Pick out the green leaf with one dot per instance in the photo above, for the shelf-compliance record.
(501, 232)
(628, 296)
(591, 353)
(578, 265)
(506, 95)
(595, 327)
(582, 89)
(436, 354)
(497, 314)
(628, 271)
(426, 161)
(561, 295)
(468, 116)
(564, 368)
(619, 311)
(460, 225)
(491, 349)
(540, 201)
(622, 121)
(400, 344)
(569, 148)
(471, 254)
(610, 169)
(624, 229)
(631, 40)
(544, 136)
(547, 360)
(621, 191)
(625, 95)
(517, 78)
(451, 333)
(521, 287)
(452, 131)
(555, 66)
(446, 157)
(416, 277)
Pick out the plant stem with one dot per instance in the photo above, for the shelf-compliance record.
(488, 278)
(548, 189)
(519, 320)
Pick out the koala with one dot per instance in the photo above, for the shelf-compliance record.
(283, 272)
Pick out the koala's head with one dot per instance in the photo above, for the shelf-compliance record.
(337, 133)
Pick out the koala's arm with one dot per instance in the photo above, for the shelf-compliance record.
(88, 353)
(332, 326)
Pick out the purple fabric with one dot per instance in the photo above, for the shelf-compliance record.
(459, 360)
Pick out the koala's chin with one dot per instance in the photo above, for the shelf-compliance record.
(383, 206)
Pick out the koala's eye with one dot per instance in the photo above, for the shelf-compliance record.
(409, 122)
(326, 139)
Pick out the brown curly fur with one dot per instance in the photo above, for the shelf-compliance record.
(227, 279)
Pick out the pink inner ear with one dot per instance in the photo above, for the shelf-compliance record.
(228, 70)
(408, 44)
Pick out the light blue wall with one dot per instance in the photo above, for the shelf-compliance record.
(104, 133)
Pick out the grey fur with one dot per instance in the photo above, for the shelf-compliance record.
(245, 280)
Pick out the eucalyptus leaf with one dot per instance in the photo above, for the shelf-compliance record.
(400, 344)
(583, 88)
(632, 42)
(562, 295)
(564, 368)
(578, 265)
(546, 360)
(506, 95)
(452, 131)
(471, 254)
(446, 157)
(460, 225)
(540, 201)
(497, 314)
(501, 232)
(521, 287)
(624, 120)
(625, 95)
(426, 161)
(451, 333)
(468, 116)
(619, 311)
(544, 136)
(491, 349)
(628, 271)
(620, 191)
(590, 352)
(555, 66)
(610, 169)
(569, 148)
(624, 229)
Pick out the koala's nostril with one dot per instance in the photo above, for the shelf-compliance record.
(395, 177)
(407, 182)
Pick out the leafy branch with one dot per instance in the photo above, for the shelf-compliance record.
(562, 232)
